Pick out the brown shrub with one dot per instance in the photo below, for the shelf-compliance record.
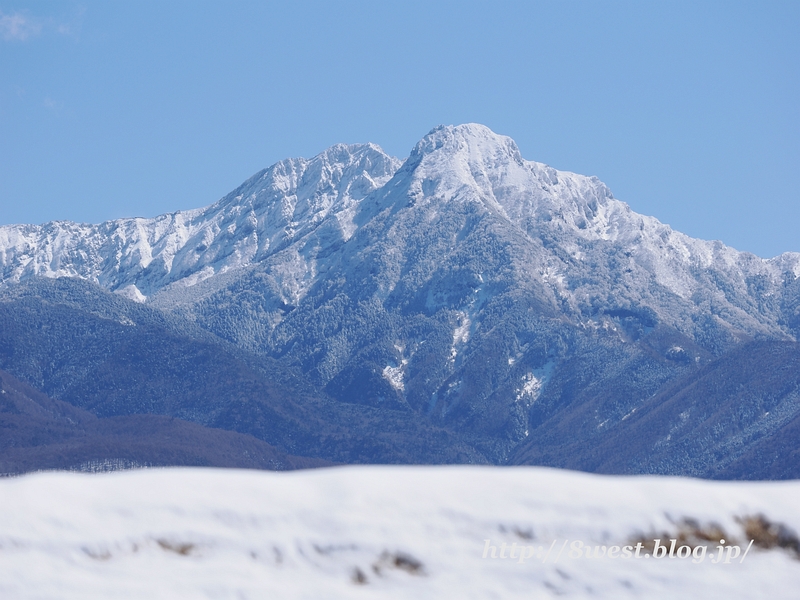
(767, 534)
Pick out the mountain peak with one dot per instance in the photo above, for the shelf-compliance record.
(472, 139)
(471, 163)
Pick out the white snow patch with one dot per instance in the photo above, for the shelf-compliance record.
(394, 375)
(628, 415)
(131, 292)
(460, 334)
(533, 382)
(531, 387)
(197, 277)
(346, 223)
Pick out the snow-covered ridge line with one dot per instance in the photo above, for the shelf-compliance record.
(294, 199)
(137, 256)
(387, 532)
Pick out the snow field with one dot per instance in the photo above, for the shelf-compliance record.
(375, 532)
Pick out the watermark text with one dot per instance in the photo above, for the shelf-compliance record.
(579, 550)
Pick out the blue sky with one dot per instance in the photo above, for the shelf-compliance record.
(689, 111)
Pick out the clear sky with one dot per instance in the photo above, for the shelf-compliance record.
(689, 111)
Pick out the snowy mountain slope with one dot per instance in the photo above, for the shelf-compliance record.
(484, 292)
(137, 257)
(288, 201)
(391, 532)
(575, 223)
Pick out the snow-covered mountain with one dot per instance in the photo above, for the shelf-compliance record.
(285, 204)
(489, 293)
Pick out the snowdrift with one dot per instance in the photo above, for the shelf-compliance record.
(394, 532)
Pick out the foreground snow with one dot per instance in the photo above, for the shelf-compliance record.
(378, 532)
